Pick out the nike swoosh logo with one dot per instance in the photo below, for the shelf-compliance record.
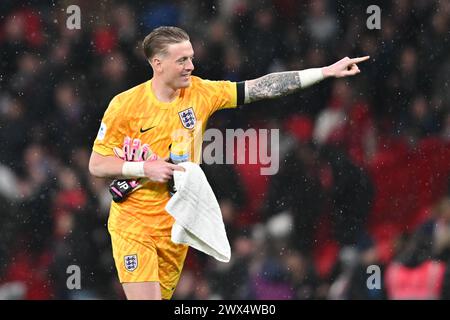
(144, 130)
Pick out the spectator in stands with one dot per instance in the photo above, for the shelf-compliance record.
(351, 196)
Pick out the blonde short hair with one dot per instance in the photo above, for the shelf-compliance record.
(156, 42)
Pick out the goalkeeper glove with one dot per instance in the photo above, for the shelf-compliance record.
(131, 151)
(120, 189)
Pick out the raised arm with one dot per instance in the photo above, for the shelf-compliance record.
(283, 83)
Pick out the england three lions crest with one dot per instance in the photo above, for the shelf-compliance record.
(187, 118)
(131, 262)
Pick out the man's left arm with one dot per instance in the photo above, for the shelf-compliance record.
(279, 84)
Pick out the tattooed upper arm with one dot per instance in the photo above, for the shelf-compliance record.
(272, 85)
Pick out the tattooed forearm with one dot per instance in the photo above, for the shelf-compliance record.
(272, 85)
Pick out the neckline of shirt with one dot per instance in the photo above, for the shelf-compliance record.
(161, 104)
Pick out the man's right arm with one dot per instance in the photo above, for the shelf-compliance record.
(113, 167)
(105, 166)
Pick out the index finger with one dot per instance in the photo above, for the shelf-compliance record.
(178, 168)
(360, 59)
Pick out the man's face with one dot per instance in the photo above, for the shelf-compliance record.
(176, 65)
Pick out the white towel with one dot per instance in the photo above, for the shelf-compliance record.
(198, 220)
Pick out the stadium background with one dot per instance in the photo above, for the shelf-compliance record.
(364, 174)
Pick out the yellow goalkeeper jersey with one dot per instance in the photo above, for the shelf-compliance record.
(137, 113)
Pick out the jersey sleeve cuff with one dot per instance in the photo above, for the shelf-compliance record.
(240, 93)
(103, 150)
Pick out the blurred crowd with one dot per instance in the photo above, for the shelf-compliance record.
(364, 162)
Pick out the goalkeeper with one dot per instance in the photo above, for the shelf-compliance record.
(148, 263)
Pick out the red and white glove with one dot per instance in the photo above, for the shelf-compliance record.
(132, 150)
